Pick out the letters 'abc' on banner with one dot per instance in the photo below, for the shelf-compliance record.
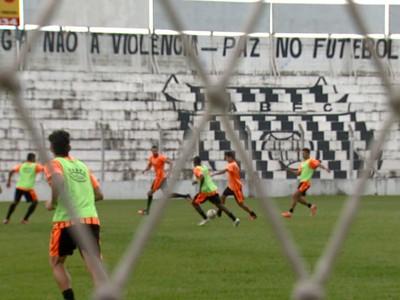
(9, 12)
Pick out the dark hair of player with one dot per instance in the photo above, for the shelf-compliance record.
(230, 154)
(60, 140)
(197, 160)
(31, 156)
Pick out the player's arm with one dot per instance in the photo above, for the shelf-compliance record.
(293, 171)
(57, 185)
(219, 172)
(201, 178)
(197, 174)
(168, 161)
(323, 167)
(39, 168)
(98, 193)
(10, 174)
(147, 168)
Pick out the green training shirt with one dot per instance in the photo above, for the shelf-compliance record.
(208, 185)
(79, 186)
(27, 176)
(307, 169)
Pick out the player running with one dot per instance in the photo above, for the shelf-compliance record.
(158, 161)
(24, 187)
(67, 173)
(207, 191)
(306, 172)
(234, 184)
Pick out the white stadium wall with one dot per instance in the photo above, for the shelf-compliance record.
(288, 93)
(93, 13)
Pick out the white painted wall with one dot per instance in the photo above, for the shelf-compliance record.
(274, 188)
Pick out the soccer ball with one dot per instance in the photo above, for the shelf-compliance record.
(211, 213)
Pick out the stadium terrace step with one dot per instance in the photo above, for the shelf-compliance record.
(130, 105)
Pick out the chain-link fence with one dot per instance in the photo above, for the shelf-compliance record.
(309, 285)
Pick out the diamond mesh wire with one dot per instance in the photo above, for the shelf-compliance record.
(309, 285)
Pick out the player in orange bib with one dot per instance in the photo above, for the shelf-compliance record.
(234, 184)
(158, 161)
(306, 172)
(25, 186)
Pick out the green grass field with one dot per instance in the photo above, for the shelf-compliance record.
(218, 261)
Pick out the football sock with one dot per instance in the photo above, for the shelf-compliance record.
(291, 210)
(231, 216)
(200, 211)
(253, 214)
(309, 205)
(176, 195)
(68, 294)
(31, 209)
(149, 200)
(11, 210)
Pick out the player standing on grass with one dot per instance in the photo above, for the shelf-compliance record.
(306, 172)
(68, 174)
(158, 161)
(25, 186)
(234, 184)
(207, 191)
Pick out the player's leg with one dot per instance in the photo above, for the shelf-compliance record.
(238, 194)
(197, 200)
(150, 194)
(215, 199)
(184, 196)
(302, 200)
(62, 277)
(295, 198)
(31, 198)
(298, 197)
(13, 205)
(97, 277)
(61, 245)
(227, 192)
(154, 187)
(175, 195)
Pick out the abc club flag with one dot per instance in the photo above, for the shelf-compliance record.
(9, 12)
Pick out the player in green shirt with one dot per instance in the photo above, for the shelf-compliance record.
(306, 172)
(25, 186)
(73, 176)
(207, 191)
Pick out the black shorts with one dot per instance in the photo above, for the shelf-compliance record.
(228, 192)
(62, 242)
(200, 198)
(30, 196)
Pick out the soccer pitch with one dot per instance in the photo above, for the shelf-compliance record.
(217, 261)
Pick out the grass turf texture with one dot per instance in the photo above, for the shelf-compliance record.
(217, 261)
